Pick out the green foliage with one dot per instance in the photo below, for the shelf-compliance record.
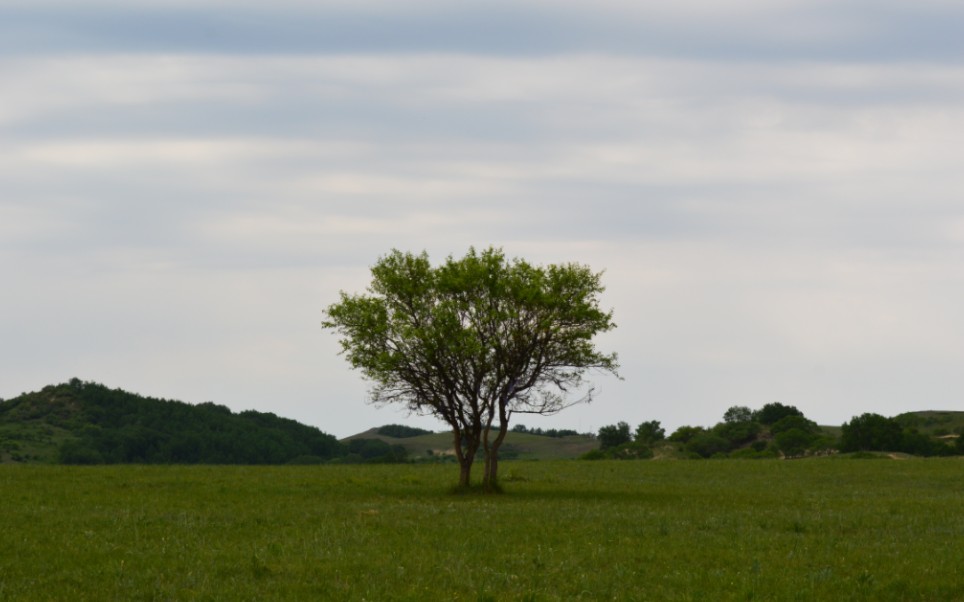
(474, 340)
(685, 433)
(400, 431)
(794, 421)
(771, 413)
(626, 451)
(594, 454)
(649, 433)
(116, 427)
(793, 442)
(707, 444)
(914, 442)
(738, 414)
(870, 432)
(737, 433)
(554, 433)
(873, 432)
(614, 435)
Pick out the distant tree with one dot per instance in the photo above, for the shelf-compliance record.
(738, 414)
(684, 433)
(614, 435)
(794, 421)
(708, 444)
(554, 433)
(520, 428)
(772, 412)
(649, 433)
(400, 431)
(793, 442)
(870, 432)
(559, 433)
(737, 433)
(474, 341)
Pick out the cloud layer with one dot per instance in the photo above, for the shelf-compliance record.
(772, 189)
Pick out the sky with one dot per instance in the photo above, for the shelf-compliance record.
(771, 187)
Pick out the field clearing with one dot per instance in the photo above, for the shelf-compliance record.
(827, 529)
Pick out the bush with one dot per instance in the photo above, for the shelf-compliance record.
(650, 432)
(614, 435)
(794, 422)
(870, 432)
(707, 444)
(632, 451)
(684, 433)
(794, 442)
(737, 433)
(594, 454)
(771, 413)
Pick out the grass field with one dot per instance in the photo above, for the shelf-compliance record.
(824, 529)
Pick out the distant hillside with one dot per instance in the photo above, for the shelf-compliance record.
(937, 423)
(522, 446)
(87, 423)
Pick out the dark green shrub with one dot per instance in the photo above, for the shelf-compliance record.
(773, 412)
(594, 454)
(614, 435)
(794, 442)
(707, 444)
(794, 422)
(870, 432)
(684, 433)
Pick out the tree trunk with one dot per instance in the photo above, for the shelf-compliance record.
(465, 473)
(490, 480)
(465, 457)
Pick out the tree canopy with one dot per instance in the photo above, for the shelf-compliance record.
(474, 341)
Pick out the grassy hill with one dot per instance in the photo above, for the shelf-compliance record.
(87, 423)
(522, 446)
(936, 423)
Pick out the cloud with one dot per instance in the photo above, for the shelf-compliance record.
(778, 215)
(748, 30)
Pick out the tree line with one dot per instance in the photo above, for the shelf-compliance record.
(775, 430)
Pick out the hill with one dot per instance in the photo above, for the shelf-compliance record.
(87, 423)
(936, 423)
(521, 446)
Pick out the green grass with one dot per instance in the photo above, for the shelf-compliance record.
(762, 530)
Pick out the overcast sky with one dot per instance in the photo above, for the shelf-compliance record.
(773, 188)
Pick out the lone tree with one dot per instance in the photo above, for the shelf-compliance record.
(474, 341)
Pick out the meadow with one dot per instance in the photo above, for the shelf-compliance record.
(819, 529)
